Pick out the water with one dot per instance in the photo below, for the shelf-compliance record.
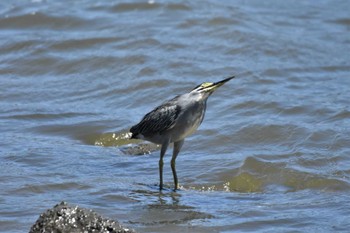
(272, 154)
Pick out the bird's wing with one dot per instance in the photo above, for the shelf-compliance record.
(158, 120)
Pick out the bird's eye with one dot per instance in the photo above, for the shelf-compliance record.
(206, 84)
(203, 85)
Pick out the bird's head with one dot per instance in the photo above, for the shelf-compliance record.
(207, 88)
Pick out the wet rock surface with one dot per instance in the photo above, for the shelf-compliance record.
(67, 218)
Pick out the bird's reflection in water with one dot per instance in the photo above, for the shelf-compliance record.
(156, 197)
(164, 207)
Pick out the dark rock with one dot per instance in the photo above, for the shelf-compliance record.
(65, 218)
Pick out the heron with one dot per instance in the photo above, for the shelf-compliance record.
(173, 121)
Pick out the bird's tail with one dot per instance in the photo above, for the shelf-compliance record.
(134, 136)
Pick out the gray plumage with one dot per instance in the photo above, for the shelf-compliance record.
(173, 121)
(159, 120)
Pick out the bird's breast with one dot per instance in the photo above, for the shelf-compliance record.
(188, 122)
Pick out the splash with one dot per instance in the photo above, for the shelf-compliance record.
(124, 142)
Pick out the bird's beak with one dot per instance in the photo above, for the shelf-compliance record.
(220, 83)
(214, 86)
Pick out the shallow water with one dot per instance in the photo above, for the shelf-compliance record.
(272, 154)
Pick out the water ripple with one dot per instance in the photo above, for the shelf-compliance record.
(38, 20)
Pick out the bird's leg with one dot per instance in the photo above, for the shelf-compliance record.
(177, 148)
(162, 153)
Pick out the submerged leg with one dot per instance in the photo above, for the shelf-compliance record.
(162, 153)
(177, 148)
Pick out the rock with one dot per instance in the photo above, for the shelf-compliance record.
(65, 218)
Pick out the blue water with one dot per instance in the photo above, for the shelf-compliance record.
(272, 154)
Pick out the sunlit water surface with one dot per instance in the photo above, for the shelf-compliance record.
(272, 155)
